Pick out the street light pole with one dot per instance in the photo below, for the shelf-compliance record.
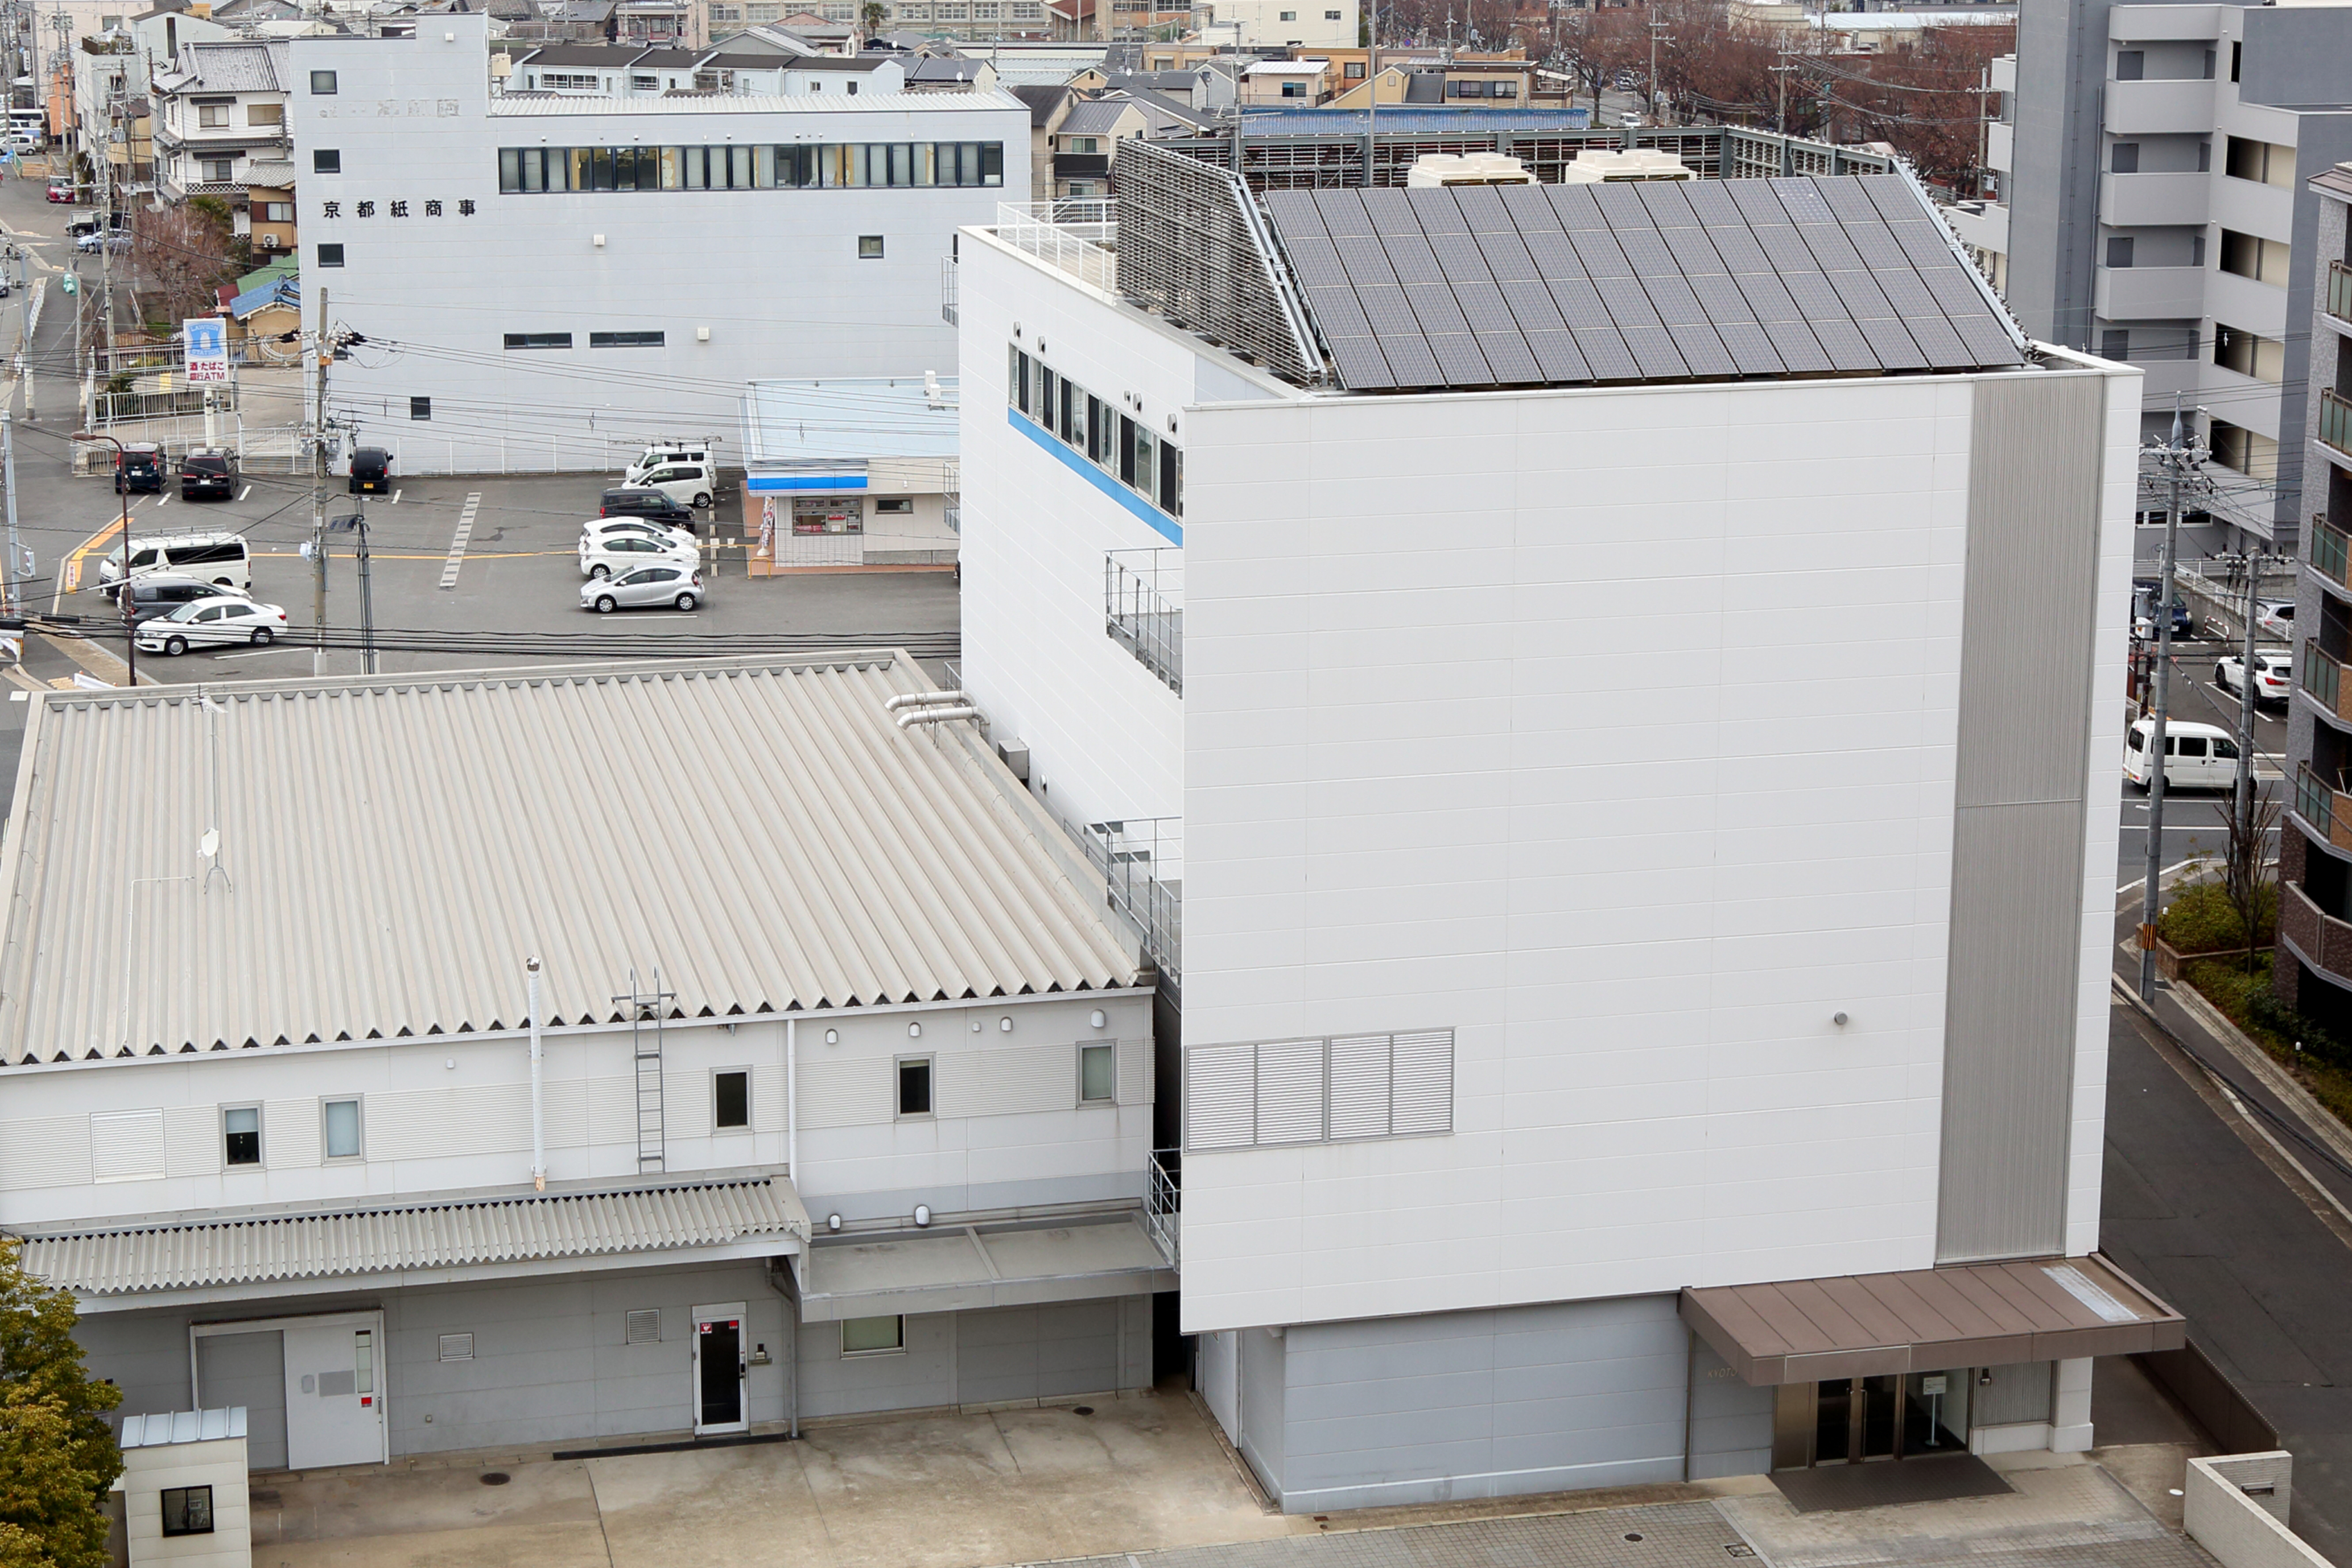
(2172, 455)
(124, 599)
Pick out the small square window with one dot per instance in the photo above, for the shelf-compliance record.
(322, 83)
(732, 1098)
(326, 160)
(342, 1123)
(873, 1336)
(420, 408)
(187, 1510)
(869, 247)
(2114, 345)
(1098, 1075)
(914, 1086)
(241, 1135)
(331, 255)
(2119, 250)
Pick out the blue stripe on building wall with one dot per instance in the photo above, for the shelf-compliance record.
(759, 484)
(1167, 527)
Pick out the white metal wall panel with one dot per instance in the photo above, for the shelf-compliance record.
(1135, 1085)
(563, 1111)
(855, 1093)
(686, 1104)
(1359, 1087)
(1006, 1083)
(192, 1140)
(292, 1128)
(767, 1099)
(475, 1119)
(45, 1152)
(1220, 1096)
(126, 1145)
(1424, 1083)
(612, 1111)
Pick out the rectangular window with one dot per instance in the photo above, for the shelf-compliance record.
(1172, 494)
(2249, 256)
(628, 339)
(322, 83)
(873, 1336)
(265, 114)
(1097, 1074)
(1130, 441)
(241, 1135)
(2116, 346)
(278, 212)
(1504, 89)
(420, 408)
(215, 170)
(2131, 65)
(331, 255)
(341, 1119)
(2123, 158)
(1318, 1090)
(2249, 354)
(2245, 451)
(2265, 163)
(326, 160)
(730, 1098)
(869, 247)
(894, 506)
(538, 340)
(1017, 379)
(1354, 70)
(187, 1510)
(213, 116)
(914, 1086)
(2119, 250)
(2237, 54)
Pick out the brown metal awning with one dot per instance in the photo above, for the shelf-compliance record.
(1980, 1314)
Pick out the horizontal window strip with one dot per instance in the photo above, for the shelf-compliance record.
(851, 166)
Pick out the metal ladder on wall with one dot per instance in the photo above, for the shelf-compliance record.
(645, 1007)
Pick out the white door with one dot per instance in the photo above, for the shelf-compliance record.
(719, 1369)
(334, 1392)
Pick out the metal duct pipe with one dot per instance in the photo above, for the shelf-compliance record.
(538, 1119)
(935, 715)
(922, 700)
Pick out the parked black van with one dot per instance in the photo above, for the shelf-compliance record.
(208, 472)
(139, 466)
(371, 470)
(634, 500)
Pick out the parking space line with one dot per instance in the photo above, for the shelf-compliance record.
(244, 492)
(458, 542)
(395, 497)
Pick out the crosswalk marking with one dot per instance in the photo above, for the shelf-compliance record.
(458, 543)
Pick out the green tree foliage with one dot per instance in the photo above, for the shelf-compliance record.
(57, 1455)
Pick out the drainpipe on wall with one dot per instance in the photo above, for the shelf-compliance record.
(538, 1121)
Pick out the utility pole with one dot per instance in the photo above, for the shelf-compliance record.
(8, 475)
(2173, 454)
(324, 350)
(2244, 792)
(1656, 30)
(1373, 98)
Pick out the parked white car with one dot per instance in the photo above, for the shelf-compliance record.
(634, 528)
(2273, 674)
(688, 484)
(606, 554)
(664, 457)
(212, 622)
(676, 585)
(2197, 756)
(2276, 617)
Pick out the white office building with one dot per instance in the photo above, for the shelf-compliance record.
(1603, 720)
(628, 265)
(851, 1113)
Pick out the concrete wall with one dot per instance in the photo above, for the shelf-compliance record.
(774, 277)
(447, 1115)
(552, 1363)
(2243, 1531)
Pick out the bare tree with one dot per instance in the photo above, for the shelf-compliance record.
(185, 254)
(2249, 879)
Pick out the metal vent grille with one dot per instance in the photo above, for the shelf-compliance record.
(457, 1347)
(645, 1326)
(1193, 246)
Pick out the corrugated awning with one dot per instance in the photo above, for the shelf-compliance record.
(957, 1271)
(1927, 1319)
(285, 1251)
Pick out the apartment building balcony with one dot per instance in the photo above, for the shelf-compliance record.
(2000, 146)
(2153, 24)
(2329, 554)
(2252, 208)
(2316, 937)
(2161, 380)
(2326, 811)
(2335, 424)
(2148, 201)
(2249, 306)
(1983, 225)
(2338, 302)
(2159, 108)
(2322, 680)
(2155, 294)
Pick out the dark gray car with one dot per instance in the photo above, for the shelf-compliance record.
(157, 594)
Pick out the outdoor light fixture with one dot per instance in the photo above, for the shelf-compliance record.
(1838, 1019)
(832, 1222)
(1005, 1024)
(922, 1215)
(833, 1036)
(1097, 1018)
(914, 1031)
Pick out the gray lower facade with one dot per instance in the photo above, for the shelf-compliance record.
(1572, 1397)
(593, 1356)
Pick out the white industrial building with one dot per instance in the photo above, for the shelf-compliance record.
(628, 265)
(853, 1116)
(1591, 692)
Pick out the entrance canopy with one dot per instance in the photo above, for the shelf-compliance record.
(1924, 1320)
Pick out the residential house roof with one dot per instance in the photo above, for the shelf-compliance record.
(238, 66)
(1041, 102)
(1099, 116)
(944, 68)
(262, 295)
(391, 850)
(609, 56)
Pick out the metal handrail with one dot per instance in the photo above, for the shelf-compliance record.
(2314, 801)
(1163, 1202)
(2335, 420)
(2330, 552)
(2339, 290)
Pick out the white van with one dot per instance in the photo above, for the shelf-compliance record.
(663, 455)
(222, 558)
(688, 484)
(2198, 756)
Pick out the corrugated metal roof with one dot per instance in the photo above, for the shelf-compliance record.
(392, 851)
(182, 1426)
(1398, 121)
(763, 103)
(537, 1227)
(231, 68)
(1095, 117)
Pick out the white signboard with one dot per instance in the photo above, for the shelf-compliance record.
(207, 339)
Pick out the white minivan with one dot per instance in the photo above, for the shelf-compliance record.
(2197, 756)
(688, 484)
(662, 456)
(222, 558)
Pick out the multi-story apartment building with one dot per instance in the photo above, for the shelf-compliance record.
(2153, 164)
(635, 261)
(220, 131)
(2312, 969)
(605, 71)
(433, 1113)
(1605, 719)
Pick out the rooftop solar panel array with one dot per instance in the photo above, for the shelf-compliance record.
(1513, 285)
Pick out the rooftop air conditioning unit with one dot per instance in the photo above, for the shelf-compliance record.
(1436, 169)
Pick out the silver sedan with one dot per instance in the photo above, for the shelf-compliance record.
(678, 586)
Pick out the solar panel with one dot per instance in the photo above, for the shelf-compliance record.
(1575, 207)
(1580, 305)
(1665, 202)
(1676, 304)
(1987, 342)
(1737, 244)
(1437, 212)
(1360, 364)
(1390, 212)
(1367, 263)
(1556, 356)
(1906, 292)
(1507, 256)
(1692, 251)
(1483, 306)
(1710, 202)
(1954, 284)
(1757, 201)
(1785, 251)
(1647, 252)
(1482, 209)
(1295, 212)
(1848, 200)
(1555, 255)
(1814, 297)
(1530, 304)
(1339, 312)
(1876, 246)
(1843, 341)
(1315, 259)
(1508, 357)
(1938, 341)
(1385, 309)
(1601, 254)
(1655, 352)
(1434, 309)
(1460, 256)
(1459, 359)
(1861, 294)
(1703, 351)
(1721, 299)
(1342, 212)
(1621, 207)
(1768, 297)
(1893, 345)
(1627, 301)
(1413, 261)
(1605, 352)
(1801, 200)
(1921, 242)
(1751, 348)
(1410, 360)
(1832, 251)
(1528, 208)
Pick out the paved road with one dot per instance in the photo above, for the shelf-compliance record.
(2192, 821)
(2192, 1211)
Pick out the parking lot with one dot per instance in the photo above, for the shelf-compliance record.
(509, 593)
